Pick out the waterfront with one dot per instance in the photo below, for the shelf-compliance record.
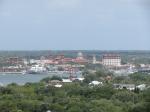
(6, 79)
(21, 79)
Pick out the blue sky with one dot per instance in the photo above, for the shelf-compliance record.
(74, 25)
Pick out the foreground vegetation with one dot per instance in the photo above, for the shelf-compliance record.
(72, 97)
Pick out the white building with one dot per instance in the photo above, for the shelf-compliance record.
(96, 83)
(130, 87)
(66, 81)
(141, 87)
(94, 59)
(111, 60)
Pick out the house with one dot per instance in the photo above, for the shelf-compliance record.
(141, 87)
(58, 85)
(130, 87)
(96, 83)
(55, 83)
(66, 80)
(78, 79)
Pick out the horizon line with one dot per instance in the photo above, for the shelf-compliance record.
(69, 50)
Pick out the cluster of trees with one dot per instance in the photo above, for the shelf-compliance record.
(99, 75)
(136, 78)
(77, 96)
(72, 97)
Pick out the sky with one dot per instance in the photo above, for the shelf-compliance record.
(74, 25)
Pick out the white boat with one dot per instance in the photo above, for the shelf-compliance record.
(37, 69)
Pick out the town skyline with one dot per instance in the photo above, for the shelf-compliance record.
(74, 56)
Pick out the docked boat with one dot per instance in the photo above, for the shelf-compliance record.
(37, 69)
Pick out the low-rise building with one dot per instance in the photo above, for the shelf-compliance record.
(130, 87)
(141, 87)
(95, 83)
